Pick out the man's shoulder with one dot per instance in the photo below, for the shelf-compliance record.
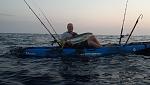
(65, 33)
(74, 34)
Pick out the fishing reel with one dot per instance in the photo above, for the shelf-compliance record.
(53, 42)
(60, 43)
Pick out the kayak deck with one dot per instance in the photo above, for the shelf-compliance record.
(106, 50)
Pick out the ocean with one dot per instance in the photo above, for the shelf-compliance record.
(113, 70)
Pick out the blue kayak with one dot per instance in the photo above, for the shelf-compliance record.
(106, 50)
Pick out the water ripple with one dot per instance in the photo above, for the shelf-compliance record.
(116, 70)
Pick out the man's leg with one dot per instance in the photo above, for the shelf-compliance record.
(92, 41)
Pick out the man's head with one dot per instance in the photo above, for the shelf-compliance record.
(70, 27)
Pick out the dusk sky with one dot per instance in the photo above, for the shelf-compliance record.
(101, 17)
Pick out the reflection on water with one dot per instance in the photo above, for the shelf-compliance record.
(113, 70)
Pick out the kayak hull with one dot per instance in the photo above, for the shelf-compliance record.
(107, 50)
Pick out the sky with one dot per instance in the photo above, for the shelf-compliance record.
(101, 17)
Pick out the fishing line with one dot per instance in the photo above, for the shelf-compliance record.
(140, 16)
(123, 23)
(42, 22)
(43, 13)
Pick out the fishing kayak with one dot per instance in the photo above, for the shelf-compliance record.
(105, 50)
(142, 48)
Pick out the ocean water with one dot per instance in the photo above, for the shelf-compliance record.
(115, 70)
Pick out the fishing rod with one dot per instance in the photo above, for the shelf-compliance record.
(48, 22)
(141, 16)
(46, 18)
(42, 23)
(122, 27)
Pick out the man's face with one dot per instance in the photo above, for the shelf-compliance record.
(70, 28)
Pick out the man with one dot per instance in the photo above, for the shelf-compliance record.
(90, 42)
(69, 34)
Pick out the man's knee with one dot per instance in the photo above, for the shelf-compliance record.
(91, 38)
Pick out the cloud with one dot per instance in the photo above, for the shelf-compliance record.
(4, 14)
